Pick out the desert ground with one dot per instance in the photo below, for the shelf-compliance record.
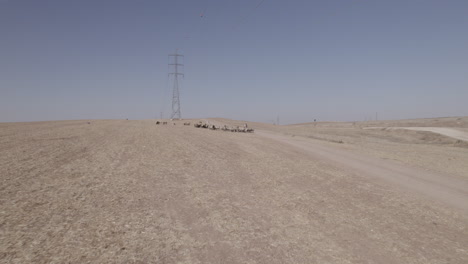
(131, 191)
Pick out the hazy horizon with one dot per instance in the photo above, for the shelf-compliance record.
(267, 121)
(244, 60)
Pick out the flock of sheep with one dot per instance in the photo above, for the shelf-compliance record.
(243, 129)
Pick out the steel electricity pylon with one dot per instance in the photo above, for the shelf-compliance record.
(175, 89)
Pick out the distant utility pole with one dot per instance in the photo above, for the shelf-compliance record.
(175, 89)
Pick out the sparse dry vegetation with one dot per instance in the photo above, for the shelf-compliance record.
(134, 192)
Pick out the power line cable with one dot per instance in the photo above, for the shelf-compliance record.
(247, 15)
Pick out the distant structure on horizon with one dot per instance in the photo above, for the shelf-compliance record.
(175, 88)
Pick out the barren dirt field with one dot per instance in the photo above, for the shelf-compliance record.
(124, 191)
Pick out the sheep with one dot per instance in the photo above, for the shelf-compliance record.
(243, 129)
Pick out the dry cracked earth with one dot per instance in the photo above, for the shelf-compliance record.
(120, 191)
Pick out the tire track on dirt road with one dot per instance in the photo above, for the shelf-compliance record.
(441, 188)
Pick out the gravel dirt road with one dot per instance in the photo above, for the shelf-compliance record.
(450, 132)
(446, 131)
(444, 188)
(118, 191)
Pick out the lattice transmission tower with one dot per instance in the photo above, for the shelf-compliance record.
(175, 89)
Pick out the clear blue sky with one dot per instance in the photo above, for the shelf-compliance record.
(302, 60)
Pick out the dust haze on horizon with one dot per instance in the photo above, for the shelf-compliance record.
(244, 60)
